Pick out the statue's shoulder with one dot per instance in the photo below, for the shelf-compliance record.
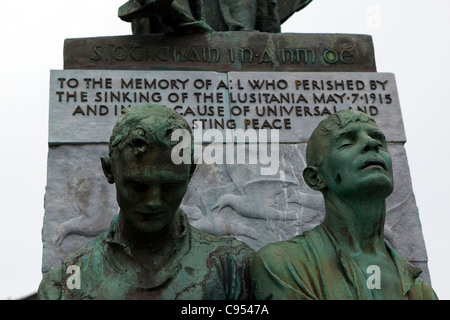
(294, 249)
(220, 243)
(93, 246)
(82, 257)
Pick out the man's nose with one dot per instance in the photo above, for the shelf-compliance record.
(371, 144)
(153, 198)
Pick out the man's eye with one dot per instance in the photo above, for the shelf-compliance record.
(169, 186)
(345, 145)
(137, 186)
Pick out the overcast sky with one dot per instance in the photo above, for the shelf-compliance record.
(411, 40)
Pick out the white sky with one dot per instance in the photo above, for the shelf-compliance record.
(411, 40)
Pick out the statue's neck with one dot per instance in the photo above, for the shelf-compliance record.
(154, 252)
(357, 225)
(153, 243)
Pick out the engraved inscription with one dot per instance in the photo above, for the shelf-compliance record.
(246, 55)
(287, 101)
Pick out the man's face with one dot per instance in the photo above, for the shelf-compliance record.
(149, 188)
(357, 162)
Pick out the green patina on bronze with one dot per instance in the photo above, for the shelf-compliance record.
(196, 16)
(345, 257)
(151, 251)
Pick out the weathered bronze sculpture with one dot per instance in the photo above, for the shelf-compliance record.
(192, 16)
(151, 251)
(345, 257)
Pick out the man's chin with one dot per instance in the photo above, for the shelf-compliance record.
(150, 224)
(380, 186)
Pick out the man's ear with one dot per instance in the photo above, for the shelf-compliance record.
(107, 169)
(313, 179)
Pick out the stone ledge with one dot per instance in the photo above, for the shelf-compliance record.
(224, 51)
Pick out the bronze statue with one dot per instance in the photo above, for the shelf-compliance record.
(151, 251)
(345, 257)
(193, 16)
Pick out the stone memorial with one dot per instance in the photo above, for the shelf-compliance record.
(253, 99)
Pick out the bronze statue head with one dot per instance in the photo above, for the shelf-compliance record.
(149, 185)
(347, 155)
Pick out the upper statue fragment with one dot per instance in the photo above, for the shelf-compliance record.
(196, 16)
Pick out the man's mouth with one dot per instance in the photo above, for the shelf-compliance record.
(148, 215)
(373, 163)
